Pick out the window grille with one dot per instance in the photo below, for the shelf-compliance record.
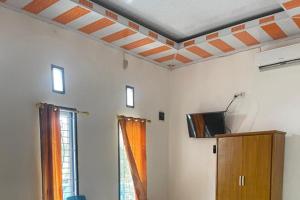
(69, 154)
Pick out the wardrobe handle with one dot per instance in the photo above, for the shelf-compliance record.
(240, 180)
(243, 180)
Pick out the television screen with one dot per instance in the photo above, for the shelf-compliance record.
(206, 125)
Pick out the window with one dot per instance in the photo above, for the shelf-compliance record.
(69, 153)
(125, 183)
(132, 159)
(58, 79)
(130, 96)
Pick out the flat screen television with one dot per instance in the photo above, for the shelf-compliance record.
(206, 125)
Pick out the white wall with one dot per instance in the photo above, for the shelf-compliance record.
(271, 102)
(95, 82)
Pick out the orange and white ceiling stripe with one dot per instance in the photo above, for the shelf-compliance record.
(102, 24)
(99, 23)
(240, 37)
(292, 7)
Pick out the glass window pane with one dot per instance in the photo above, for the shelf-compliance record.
(130, 96)
(68, 148)
(58, 79)
(126, 183)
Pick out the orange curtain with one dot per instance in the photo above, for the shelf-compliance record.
(51, 152)
(134, 137)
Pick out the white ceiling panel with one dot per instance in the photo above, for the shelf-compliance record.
(179, 19)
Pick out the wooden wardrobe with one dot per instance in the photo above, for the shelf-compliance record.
(250, 166)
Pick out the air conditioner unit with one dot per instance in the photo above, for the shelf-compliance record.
(276, 58)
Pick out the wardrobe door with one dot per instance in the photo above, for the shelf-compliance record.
(257, 152)
(229, 168)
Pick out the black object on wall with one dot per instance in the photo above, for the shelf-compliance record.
(215, 149)
(161, 116)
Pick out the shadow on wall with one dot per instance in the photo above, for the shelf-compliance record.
(234, 121)
(242, 115)
(291, 168)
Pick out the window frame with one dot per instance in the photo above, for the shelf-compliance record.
(73, 114)
(63, 79)
(133, 100)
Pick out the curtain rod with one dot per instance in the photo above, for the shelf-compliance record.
(122, 117)
(71, 109)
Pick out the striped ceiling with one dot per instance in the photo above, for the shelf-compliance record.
(102, 24)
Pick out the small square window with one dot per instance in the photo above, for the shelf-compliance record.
(130, 96)
(58, 79)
